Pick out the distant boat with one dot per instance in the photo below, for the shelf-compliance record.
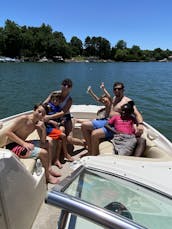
(8, 59)
(43, 60)
(58, 59)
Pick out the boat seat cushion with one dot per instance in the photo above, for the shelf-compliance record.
(154, 152)
(106, 148)
(29, 163)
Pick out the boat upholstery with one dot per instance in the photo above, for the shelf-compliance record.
(21, 194)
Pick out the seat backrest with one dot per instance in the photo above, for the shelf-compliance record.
(3, 137)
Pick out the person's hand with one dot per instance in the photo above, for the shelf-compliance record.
(29, 146)
(40, 125)
(88, 89)
(102, 85)
(139, 130)
(46, 118)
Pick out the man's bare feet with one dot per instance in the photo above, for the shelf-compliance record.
(68, 157)
(53, 180)
(58, 164)
(54, 173)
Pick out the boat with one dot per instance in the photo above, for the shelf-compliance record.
(8, 59)
(105, 191)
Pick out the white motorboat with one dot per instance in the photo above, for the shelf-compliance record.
(108, 190)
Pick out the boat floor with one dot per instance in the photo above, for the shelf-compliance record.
(48, 215)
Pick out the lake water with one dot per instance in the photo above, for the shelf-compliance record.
(148, 84)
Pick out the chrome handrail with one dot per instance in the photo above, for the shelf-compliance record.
(91, 212)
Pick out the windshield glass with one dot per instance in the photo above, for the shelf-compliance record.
(130, 200)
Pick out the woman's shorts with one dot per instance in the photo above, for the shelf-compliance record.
(99, 123)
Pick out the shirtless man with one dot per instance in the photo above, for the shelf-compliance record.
(119, 100)
(21, 129)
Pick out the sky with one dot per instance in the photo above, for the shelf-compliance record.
(146, 23)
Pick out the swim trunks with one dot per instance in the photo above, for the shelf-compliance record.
(55, 133)
(22, 152)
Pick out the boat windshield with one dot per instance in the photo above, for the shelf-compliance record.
(135, 202)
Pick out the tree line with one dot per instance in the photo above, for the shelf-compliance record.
(33, 43)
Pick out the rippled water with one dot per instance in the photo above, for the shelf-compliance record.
(148, 84)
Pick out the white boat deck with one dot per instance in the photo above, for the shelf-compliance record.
(48, 214)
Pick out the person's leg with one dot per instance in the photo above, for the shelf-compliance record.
(57, 150)
(140, 147)
(95, 140)
(50, 147)
(87, 128)
(69, 125)
(64, 147)
(44, 157)
(125, 144)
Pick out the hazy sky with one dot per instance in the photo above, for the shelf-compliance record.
(146, 23)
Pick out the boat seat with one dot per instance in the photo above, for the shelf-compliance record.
(154, 152)
(29, 163)
(21, 194)
(106, 148)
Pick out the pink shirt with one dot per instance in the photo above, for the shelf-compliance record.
(123, 126)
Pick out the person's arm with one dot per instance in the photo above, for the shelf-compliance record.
(54, 123)
(47, 100)
(57, 115)
(139, 119)
(109, 127)
(138, 115)
(41, 129)
(102, 86)
(94, 96)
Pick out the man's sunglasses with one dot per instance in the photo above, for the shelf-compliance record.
(66, 85)
(117, 88)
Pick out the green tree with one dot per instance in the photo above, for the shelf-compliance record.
(2, 41)
(12, 39)
(121, 55)
(42, 39)
(159, 54)
(97, 46)
(89, 46)
(76, 46)
(121, 44)
(62, 48)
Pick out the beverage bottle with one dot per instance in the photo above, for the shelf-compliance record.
(38, 167)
